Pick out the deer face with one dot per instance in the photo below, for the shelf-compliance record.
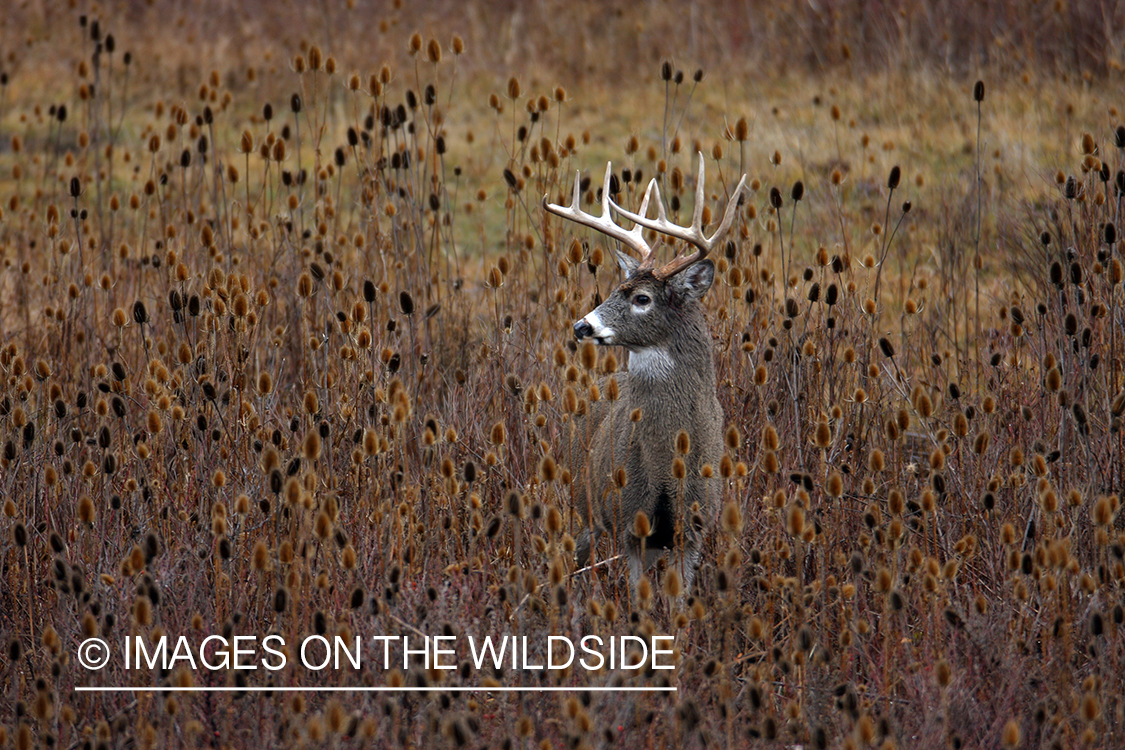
(645, 311)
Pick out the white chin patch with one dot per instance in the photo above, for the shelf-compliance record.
(603, 334)
(655, 363)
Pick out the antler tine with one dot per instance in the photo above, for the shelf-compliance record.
(694, 233)
(604, 223)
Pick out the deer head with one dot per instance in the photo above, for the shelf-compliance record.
(634, 238)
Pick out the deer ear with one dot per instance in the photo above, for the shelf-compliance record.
(627, 262)
(694, 281)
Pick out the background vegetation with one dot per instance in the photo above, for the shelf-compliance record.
(287, 349)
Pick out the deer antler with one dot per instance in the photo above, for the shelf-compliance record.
(604, 223)
(633, 238)
(694, 233)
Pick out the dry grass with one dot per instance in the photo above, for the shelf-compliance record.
(237, 401)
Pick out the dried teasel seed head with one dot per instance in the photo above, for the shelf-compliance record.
(433, 51)
(673, 583)
(732, 518)
(795, 520)
(834, 487)
(311, 445)
(823, 435)
(1104, 510)
(943, 672)
(770, 439)
(588, 355)
(732, 438)
(642, 527)
(548, 469)
(1011, 735)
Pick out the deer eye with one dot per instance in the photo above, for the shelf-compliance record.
(641, 300)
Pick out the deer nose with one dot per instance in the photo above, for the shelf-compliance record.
(582, 330)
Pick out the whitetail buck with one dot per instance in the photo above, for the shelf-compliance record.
(657, 316)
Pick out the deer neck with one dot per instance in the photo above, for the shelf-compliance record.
(684, 365)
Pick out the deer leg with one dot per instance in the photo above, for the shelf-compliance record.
(636, 568)
(584, 545)
(652, 556)
(692, 554)
(639, 557)
(582, 548)
(639, 564)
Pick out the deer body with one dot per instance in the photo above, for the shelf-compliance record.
(671, 382)
(668, 392)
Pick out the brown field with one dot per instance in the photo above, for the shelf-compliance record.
(286, 346)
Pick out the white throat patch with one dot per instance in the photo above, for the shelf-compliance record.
(655, 363)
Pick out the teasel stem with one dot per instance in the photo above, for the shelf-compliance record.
(695, 79)
(796, 195)
(666, 75)
(75, 191)
(978, 95)
(295, 105)
(94, 112)
(892, 184)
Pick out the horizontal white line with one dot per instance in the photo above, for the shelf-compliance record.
(436, 689)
